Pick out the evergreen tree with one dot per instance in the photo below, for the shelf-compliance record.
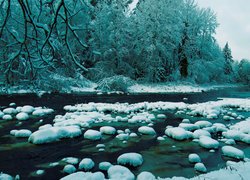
(228, 59)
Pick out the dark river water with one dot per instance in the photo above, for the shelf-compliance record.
(164, 159)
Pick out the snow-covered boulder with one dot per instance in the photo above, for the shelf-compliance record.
(233, 152)
(92, 135)
(146, 130)
(9, 111)
(203, 124)
(108, 130)
(122, 136)
(188, 126)
(194, 158)
(22, 116)
(54, 134)
(161, 116)
(132, 159)
(120, 172)
(85, 175)
(42, 112)
(86, 164)
(200, 132)
(28, 109)
(208, 142)
(104, 166)
(200, 167)
(7, 117)
(69, 168)
(177, 133)
(71, 160)
(146, 176)
(4, 176)
(23, 133)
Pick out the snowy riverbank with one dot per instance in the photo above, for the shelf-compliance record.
(182, 87)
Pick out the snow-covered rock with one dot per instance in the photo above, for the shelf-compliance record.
(104, 166)
(122, 136)
(208, 142)
(194, 158)
(42, 112)
(22, 116)
(4, 176)
(233, 152)
(7, 117)
(92, 134)
(71, 160)
(132, 159)
(69, 168)
(85, 175)
(203, 124)
(146, 176)
(120, 172)
(161, 116)
(200, 167)
(108, 130)
(200, 132)
(189, 126)
(1, 114)
(23, 133)
(40, 172)
(10, 111)
(54, 134)
(146, 130)
(86, 164)
(27, 109)
(177, 133)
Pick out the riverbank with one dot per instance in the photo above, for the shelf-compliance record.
(162, 88)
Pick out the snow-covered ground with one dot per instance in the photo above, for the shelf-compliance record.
(181, 87)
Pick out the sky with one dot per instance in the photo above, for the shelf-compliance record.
(234, 19)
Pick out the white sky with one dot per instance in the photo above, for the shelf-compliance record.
(234, 19)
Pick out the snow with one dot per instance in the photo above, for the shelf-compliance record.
(233, 152)
(188, 126)
(108, 130)
(92, 135)
(4, 176)
(27, 109)
(9, 111)
(71, 160)
(22, 133)
(22, 116)
(1, 114)
(177, 133)
(120, 172)
(146, 130)
(7, 117)
(54, 134)
(85, 175)
(161, 116)
(132, 159)
(200, 132)
(208, 143)
(42, 112)
(203, 124)
(86, 164)
(69, 168)
(145, 176)
(122, 136)
(104, 166)
(200, 167)
(194, 158)
(40, 172)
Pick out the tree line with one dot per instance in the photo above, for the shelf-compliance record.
(157, 41)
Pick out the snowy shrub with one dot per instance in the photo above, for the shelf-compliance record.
(115, 83)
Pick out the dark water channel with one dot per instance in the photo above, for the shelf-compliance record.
(165, 159)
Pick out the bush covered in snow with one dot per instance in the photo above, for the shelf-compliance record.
(115, 83)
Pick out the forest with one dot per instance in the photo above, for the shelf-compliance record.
(55, 43)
